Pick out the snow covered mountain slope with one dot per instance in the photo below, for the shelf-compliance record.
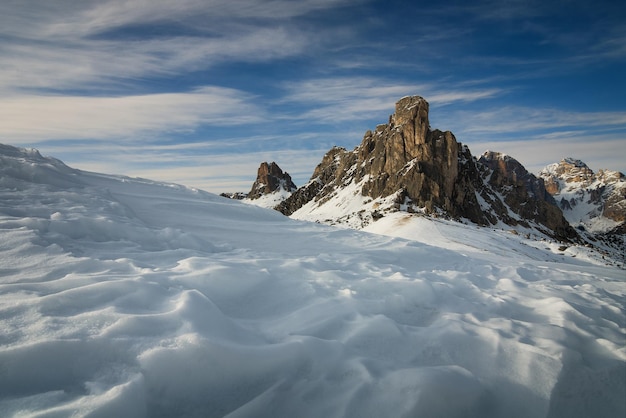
(594, 201)
(133, 298)
(269, 200)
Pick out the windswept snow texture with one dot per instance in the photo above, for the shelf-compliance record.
(130, 298)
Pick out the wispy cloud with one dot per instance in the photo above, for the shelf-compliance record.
(188, 164)
(521, 120)
(337, 99)
(82, 63)
(81, 45)
(541, 136)
(233, 172)
(25, 119)
(597, 151)
(66, 19)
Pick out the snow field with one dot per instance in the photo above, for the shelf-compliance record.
(126, 297)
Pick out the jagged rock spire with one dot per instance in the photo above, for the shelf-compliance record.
(270, 178)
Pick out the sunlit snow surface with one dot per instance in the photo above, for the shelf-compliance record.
(130, 298)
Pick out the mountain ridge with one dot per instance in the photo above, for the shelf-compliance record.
(573, 184)
(405, 165)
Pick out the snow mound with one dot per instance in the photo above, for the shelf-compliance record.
(269, 200)
(128, 297)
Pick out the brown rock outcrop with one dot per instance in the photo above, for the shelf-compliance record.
(406, 154)
(430, 170)
(270, 178)
(525, 194)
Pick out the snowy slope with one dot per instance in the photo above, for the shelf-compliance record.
(502, 240)
(345, 207)
(126, 297)
(269, 200)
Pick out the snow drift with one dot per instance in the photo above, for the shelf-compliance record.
(128, 297)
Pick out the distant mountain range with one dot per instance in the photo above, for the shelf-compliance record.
(405, 166)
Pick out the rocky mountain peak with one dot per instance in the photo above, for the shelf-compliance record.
(411, 114)
(609, 176)
(508, 171)
(406, 154)
(270, 178)
(591, 201)
(568, 170)
(523, 193)
(403, 156)
(405, 165)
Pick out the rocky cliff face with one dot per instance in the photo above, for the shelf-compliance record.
(590, 201)
(270, 178)
(406, 155)
(405, 165)
(569, 170)
(403, 157)
(524, 193)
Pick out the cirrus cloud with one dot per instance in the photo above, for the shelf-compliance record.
(24, 119)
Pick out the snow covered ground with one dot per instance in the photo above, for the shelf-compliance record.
(130, 298)
(269, 200)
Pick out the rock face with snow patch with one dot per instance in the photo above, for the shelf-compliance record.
(270, 178)
(584, 195)
(594, 203)
(403, 157)
(524, 193)
(405, 165)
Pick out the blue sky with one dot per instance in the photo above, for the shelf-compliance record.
(200, 92)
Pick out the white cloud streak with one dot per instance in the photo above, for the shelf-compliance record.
(24, 119)
(218, 173)
(215, 172)
(541, 136)
(67, 44)
(523, 119)
(69, 19)
(339, 99)
(81, 63)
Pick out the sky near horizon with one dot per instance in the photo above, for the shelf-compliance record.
(200, 92)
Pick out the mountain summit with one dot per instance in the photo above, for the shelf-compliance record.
(271, 178)
(271, 186)
(587, 198)
(405, 165)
